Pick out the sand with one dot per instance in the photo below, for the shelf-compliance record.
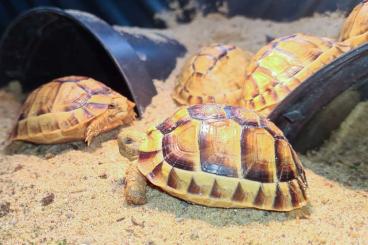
(72, 194)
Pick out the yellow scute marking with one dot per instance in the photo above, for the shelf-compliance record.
(203, 63)
(187, 136)
(275, 62)
(153, 141)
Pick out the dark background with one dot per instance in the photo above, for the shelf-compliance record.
(142, 12)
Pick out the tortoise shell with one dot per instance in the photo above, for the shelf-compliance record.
(215, 74)
(223, 156)
(281, 66)
(356, 22)
(61, 110)
(355, 27)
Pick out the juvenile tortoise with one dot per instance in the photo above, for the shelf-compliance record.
(282, 65)
(217, 156)
(71, 108)
(214, 74)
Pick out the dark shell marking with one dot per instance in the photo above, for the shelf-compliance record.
(215, 191)
(223, 54)
(239, 194)
(193, 187)
(175, 156)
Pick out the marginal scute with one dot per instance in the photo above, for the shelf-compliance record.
(239, 194)
(302, 187)
(215, 191)
(173, 180)
(295, 193)
(193, 187)
(260, 198)
(281, 198)
(299, 167)
(156, 172)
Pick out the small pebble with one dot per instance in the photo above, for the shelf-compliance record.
(137, 222)
(103, 176)
(18, 167)
(48, 199)
(120, 219)
(49, 155)
(4, 208)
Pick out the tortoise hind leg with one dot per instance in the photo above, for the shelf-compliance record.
(135, 186)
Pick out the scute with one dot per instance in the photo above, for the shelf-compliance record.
(224, 156)
(179, 149)
(219, 147)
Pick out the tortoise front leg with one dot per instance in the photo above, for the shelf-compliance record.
(135, 186)
(96, 127)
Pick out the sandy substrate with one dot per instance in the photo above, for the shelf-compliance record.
(72, 194)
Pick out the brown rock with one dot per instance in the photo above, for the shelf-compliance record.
(48, 199)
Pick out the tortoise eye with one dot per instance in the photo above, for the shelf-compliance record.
(111, 106)
(128, 140)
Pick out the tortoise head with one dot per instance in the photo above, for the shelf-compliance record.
(120, 111)
(129, 141)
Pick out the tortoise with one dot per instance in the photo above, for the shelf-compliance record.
(71, 108)
(214, 74)
(217, 156)
(282, 65)
(355, 28)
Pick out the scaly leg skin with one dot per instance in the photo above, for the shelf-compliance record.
(135, 186)
(96, 127)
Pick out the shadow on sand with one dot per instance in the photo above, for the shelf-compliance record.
(218, 216)
(47, 151)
